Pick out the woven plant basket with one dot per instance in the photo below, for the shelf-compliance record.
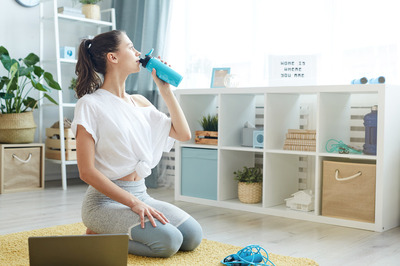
(17, 128)
(250, 192)
(91, 11)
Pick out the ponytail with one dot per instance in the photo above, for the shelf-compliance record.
(92, 59)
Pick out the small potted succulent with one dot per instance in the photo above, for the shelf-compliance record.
(250, 184)
(209, 134)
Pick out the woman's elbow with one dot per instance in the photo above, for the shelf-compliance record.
(185, 136)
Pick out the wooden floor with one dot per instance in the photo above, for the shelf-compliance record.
(326, 244)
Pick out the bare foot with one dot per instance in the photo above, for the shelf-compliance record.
(90, 232)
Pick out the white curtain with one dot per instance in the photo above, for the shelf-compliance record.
(351, 38)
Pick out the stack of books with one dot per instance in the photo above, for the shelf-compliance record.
(300, 140)
(70, 11)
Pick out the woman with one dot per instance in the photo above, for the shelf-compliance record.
(119, 138)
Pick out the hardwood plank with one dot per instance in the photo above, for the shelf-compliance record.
(326, 244)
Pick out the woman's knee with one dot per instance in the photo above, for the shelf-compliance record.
(192, 234)
(163, 241)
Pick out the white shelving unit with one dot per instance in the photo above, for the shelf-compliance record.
(49, 16)
(330, 116)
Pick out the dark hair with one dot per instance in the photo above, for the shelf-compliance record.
(92, 59)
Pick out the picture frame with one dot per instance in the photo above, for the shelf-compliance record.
(218, 76)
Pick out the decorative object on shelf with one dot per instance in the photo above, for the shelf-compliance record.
(362, 80)
(258, 139)
(378, 80)
(16, 119)
(250, 184)
(249, 255)
(218, 76)
(231, 81)
(300, 140)
(28, 3)
(67, 52)
(248, 134)
(70, 11)
(209, 134)
(90, 9)
(53, 145)
(302, 200)
(292, 70)
(338, 146)
(371, 125)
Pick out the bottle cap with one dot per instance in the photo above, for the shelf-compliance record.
(374, 108)
(145, 60)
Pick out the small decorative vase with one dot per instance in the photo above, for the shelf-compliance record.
(17, 128)
(250, 192)
(91, 11)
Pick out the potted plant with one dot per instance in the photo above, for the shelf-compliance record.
(72, 86)
(90, 9)
(250, 184)
(209, 134)
(16, 117)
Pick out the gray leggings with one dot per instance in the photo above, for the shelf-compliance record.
(105, 216)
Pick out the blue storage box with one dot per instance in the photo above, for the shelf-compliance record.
(67, 52)
(199, 173)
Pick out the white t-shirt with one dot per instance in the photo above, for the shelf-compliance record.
(127, 138)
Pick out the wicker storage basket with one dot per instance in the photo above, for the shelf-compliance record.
(17, 128)
(250, 192)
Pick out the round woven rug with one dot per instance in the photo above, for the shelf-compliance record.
(14, 250)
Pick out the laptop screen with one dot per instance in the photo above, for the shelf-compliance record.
(100, 249)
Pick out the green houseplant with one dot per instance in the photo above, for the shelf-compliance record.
(16, 105)
(209, 134)
(72, 86)
(250, 184)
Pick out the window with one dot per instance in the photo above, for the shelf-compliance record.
(351, 38)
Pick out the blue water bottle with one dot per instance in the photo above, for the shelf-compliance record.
(163, 71)
(362, 80)
(371, 124)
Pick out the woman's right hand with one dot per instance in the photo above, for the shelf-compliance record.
(143, 210)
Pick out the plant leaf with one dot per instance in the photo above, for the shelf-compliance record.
(38, 85)
(48, 77)
(50, 99)
(38, 71)
(31, 59)
(8, 62)
(25, 71)
(6, 96)
(3, 51)
(12, 84)
(30, 102)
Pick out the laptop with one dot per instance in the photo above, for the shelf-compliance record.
(100, 249)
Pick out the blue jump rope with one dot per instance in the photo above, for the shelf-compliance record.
(250, 255)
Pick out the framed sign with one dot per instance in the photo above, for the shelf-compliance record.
(292, 70)
(218, 76)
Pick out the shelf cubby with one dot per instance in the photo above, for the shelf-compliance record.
(288, 108)
(235, 112)
(232, 161)
(196, 106)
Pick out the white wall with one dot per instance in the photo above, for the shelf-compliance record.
(19, 34)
